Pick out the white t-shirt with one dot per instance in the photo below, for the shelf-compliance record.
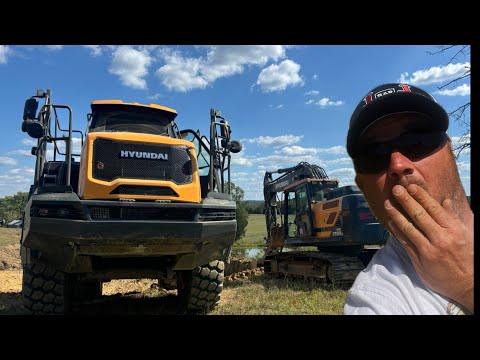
(390, 286)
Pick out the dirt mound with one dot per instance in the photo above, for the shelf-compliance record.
(244, 274)
(237, 265)
(10, 257)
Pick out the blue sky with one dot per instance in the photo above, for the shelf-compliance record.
(286, 104)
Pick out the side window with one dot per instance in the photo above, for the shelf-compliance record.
(290, 217)
(202, 156)
(301, 196)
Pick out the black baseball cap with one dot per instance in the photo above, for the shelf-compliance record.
(389, 99)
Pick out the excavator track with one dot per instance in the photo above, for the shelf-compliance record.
(328, 268)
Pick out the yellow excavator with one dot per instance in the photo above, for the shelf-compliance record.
(306, 209)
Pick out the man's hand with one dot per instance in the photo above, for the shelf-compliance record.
(438, 242)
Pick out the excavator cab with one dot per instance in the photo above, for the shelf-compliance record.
(304, 201)
(119, 116)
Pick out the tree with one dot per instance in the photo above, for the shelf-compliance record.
(461, 113)
(242, 213)
(11, 207)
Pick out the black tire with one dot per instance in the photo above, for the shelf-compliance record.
(200, 288)
(45, 291)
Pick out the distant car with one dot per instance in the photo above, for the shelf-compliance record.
(15, 224)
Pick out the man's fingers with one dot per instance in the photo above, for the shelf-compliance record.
(405, 226)
(418, 214)
(408, 245)
(431, 206)
(447, 204)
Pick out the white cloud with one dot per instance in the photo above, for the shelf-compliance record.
(95, 50)
(227, 60)
(312, 93)
(462, 90)
(11, 184)
(342, 172)
(326, 102)
(4, 51)
(20, 152)
(54, 47)
(279, 77)
(76, 148)
(29, 171)
(461, 140)
(336, 150)
(241, 174)
(297, 150)
(311, 101)
(183, 74)
(463, 166)
(466, 182)
(274, 141)
(278, 107)
(436, 74)
(278, 160)
(154, 96)
(4, 160)
(315, 77)
(29, 142)
(131, 66)
(241, 161)
(180, 74)
(339, 161)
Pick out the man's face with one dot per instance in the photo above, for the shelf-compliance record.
(436, 172)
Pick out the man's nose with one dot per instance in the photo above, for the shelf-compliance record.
(399, 166)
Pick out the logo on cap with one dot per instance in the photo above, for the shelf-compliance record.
(374, 96)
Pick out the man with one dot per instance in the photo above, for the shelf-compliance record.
(406, 168)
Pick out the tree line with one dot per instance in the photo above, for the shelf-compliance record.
(11, 207)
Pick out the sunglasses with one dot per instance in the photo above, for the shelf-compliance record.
(376, 156)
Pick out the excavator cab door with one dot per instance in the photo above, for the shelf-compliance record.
(303, 212)
(299, 216)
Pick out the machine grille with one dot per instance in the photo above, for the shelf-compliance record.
(147, 213)
(143, 161)
(144, 190)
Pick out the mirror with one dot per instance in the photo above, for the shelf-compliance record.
(30, 109)
(235, 146)
(224, 129)
(33, 128)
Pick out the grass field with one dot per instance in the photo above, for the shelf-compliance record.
(255, 233)
(264, 295)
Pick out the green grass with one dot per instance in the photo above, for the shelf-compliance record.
(263, 295)
(254, 234)
(9, 236)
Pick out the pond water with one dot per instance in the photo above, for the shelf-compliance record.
(249, 253)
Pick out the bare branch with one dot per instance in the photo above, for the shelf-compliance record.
(460, 111)
(460, 114)
(458, 52)
(466, 74)
(443, 48)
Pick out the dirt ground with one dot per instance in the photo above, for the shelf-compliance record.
(138, 296)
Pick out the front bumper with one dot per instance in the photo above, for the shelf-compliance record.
(193, 234)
